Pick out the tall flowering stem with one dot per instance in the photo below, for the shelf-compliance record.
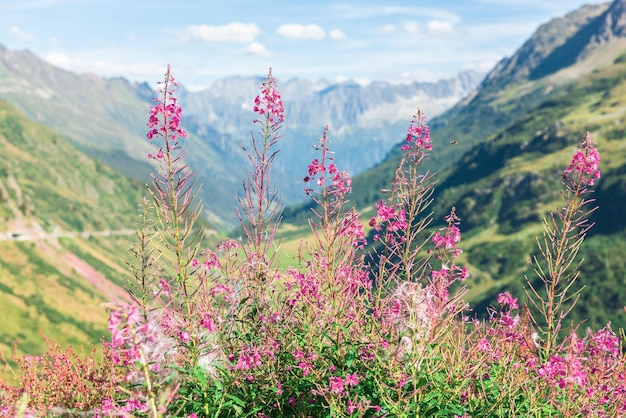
(337, 229)
(174, 193)
(563, 235)
(446, 251)
(402, 219)
(141, 287)
(260, 206)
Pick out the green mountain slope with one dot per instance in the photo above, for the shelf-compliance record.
(504, 186)
(44, 178)
(507, 93)
(106, 120)
(500, 154)
(65, 223)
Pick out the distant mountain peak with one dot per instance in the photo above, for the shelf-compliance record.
(612, 23)
(562, 42)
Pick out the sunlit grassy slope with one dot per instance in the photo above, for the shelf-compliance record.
(48, 190)
(66, 224)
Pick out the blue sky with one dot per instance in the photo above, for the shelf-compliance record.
(365, 40)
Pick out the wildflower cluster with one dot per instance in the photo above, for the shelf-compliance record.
(418, 135)
(269, 103)
(396, 221)
(585, 163)
(59, 381)
(346, 330)
(445, 247)
(165, 119)
(340, 181)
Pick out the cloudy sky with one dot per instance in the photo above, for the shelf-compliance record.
(204, 40)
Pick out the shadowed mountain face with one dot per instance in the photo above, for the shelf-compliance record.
(556, 44)
(562, 43)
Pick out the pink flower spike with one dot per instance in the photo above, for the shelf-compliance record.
(586, 162)
(506, 299)
(269, 103)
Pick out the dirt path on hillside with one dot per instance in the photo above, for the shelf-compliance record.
(109, 290)
(105, 287)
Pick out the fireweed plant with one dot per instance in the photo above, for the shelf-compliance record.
(352, 329)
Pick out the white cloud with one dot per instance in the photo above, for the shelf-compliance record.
(337, 35)
(18, 33)
(258, 49)
(232, 32)
(59, 59)
(297, 31)
(411, 27)
(439, 27)
(387, 29)
(362, 81)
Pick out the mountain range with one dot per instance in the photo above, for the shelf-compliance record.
(106, 119)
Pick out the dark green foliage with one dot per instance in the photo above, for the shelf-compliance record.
(502, 259)
(611, 196)
(603, 273)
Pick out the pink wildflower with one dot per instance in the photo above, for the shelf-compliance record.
(342, 184)
(352, 379)
(506, 299)
(211, 262)
(418, 134)
(107, 406)
(165, 117)
(443, 274)
(184, 336)
(208, 323)
(352, 227)
(586, 161)
(315, 168)
(603, 342)
(336, 385)
(269, 103)
(227, 245)
(352, 407)
(483, 345)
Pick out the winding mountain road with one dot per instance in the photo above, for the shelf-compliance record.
(25, 235)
